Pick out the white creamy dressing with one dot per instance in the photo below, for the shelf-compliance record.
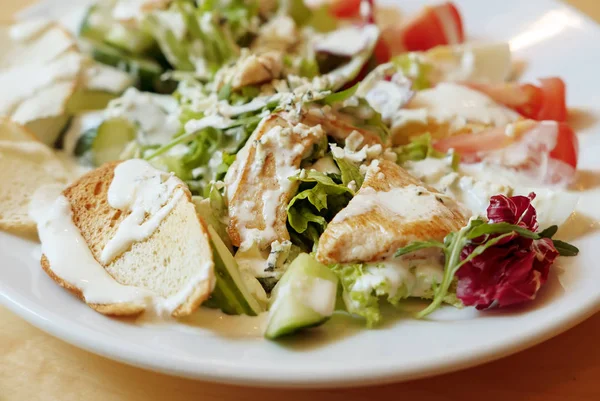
(255, 104)
(24, 82)
(387, 97)
(71, 259)
(215, 121)
(346, 41)
(474, 184)
(128, 10)
(411, 202)
(278, 143)
(457, 105)
(149, 194)
(28, 29)
(402, 277)
(332, 79)
(104, 78)
(174, 21)
(325, 165)
(69, 255)
(157, 116)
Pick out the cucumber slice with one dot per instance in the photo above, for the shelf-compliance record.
(84, 100)
(96, 22)
(304, 297)
(99, 25)
(145, 70)
(130, 39)
(231, 294)
(112, 137)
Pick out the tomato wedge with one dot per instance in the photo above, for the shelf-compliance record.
(554, 105)
(544, 102)
(345, 9)
(531, 139)
(434, 26)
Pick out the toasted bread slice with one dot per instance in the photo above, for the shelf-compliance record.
(175, 262)
(11, 131)
(25, 165)
(260, 175)
(391, 210)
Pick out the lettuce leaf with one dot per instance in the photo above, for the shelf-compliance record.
(349, 172)
(202, 38)
(415, 69)
(421, 148)
(365, 286)
(320, 197)
(361, 303)
(296, 9)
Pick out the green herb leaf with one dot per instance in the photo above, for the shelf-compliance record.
(500, 228)
(418, 245)
(548, 232)
(340, 96)
(565, 249)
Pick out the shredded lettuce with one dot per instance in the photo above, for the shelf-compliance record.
(415, 69)
(202, 38)
(296, 9)
(349, 172)
(421, 148)
(366, 286)
(361, 303)
(320, 197)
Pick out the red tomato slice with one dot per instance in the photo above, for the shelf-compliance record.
(567, 145)
(382, 52)
(434, 26)
(475, 147)
(554, 105)
(345, 9)
(546, 102)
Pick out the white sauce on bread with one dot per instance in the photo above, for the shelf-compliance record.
(69, 256)
(149, 194)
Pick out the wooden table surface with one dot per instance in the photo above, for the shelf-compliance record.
(35, 366)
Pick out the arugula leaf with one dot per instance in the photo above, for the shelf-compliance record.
(565, 249)
(340, 96)
(456, 241)
(548, 232)
(418, 245)
(500, 228)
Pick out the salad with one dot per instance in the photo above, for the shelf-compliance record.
(334, 163)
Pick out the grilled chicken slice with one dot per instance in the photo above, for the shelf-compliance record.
(257, 184)
(391, 210)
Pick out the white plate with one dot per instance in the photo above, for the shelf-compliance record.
(554, 40)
